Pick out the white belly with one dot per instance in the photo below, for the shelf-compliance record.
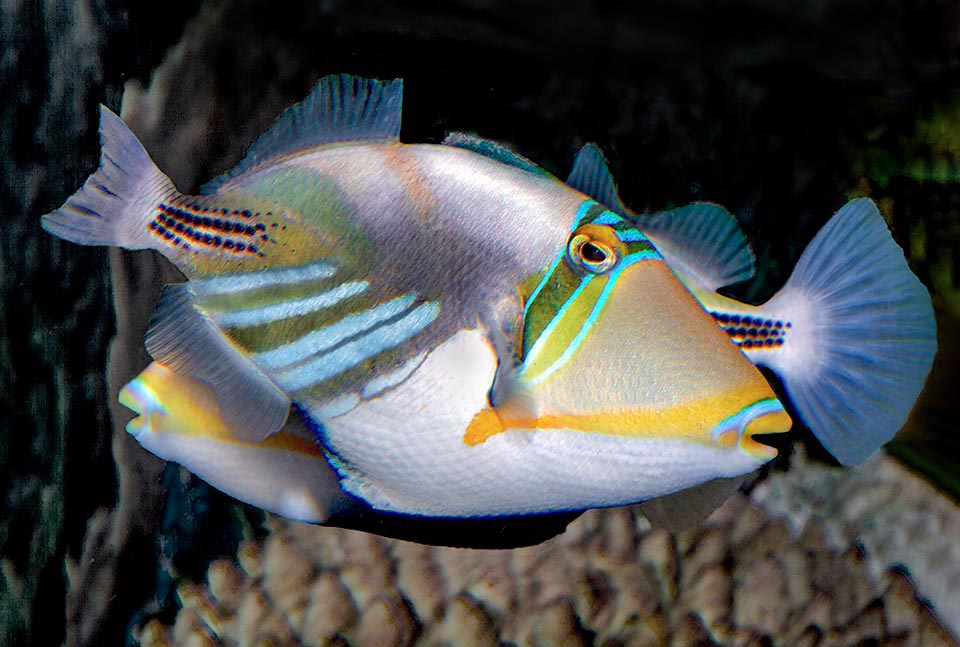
(404, 451)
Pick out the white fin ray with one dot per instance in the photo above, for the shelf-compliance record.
(702, 242)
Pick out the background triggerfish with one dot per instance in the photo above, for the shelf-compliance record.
(465, 336)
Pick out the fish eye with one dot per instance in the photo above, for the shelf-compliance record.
(592, 253)
(594, 248)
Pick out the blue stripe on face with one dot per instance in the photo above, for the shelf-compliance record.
(629, 234)
(352, 353)
(583, 209)
(642, 255)
(632, 236)
(329, 336)
(288, 309)
(247, 281)
(739, 421)
(588, 322)
(612, 279)
(608, 218)
(581, 335)
(581, 213)
(538, 345)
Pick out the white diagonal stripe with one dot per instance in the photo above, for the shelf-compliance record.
(287, 309)
(330, 336)
(246, 281)
(348, 355)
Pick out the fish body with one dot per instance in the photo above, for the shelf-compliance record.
(465, 335)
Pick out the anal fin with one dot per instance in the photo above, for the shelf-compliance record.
(688, 508)
(188, 343)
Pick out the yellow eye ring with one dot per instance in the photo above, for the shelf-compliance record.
(594, 249)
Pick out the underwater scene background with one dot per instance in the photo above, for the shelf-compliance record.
(780, 111)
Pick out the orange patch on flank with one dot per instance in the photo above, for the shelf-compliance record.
(399, 160)
(485, 424)
(285, 441)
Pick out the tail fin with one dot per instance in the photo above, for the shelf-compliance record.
(116, 203)
(861, 334)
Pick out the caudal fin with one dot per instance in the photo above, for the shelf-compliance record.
(116, 204)
(859, 334)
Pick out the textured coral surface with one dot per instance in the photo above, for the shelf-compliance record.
(745, 577)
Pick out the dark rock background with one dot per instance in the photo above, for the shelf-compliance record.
(778, 110)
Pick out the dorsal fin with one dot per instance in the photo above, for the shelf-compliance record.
(591, 176)
(341, 108)
(702, 242)
(492, 150)
(188, 343)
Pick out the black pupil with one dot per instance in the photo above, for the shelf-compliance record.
(592, 254)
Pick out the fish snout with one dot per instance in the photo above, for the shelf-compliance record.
(141, 399)
(764, 417)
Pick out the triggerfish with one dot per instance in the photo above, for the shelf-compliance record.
(450, 332)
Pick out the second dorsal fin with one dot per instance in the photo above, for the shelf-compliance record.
(702, 242)
(341, 108)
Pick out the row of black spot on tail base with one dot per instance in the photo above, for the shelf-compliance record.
(233, 230)
(752, 332)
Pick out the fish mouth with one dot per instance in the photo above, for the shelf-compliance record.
(140, 399)
(763, 417)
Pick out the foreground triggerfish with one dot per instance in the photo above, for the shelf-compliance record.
(465, 336)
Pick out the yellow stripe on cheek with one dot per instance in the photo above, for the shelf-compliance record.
(693, 421)
(485, 424)
(550, 348)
